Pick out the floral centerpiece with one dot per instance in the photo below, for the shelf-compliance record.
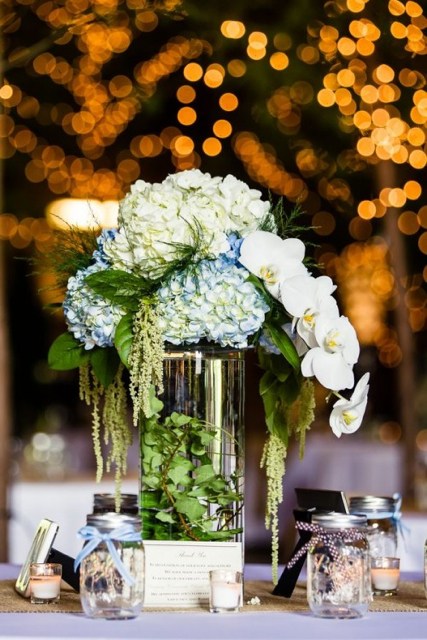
(199, 259)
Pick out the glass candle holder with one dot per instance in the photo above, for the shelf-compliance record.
(225, 590)
(45, 582)
(385, 574)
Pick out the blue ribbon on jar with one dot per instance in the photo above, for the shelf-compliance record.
(395, 516)
(94, 537)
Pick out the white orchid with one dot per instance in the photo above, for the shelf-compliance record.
(347, 415)
(272, 259)
(305, 297)
(331, 362)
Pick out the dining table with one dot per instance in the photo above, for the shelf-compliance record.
(276, 617)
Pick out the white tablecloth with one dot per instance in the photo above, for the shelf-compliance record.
(196, 626)
(66, 503)
(251, 625)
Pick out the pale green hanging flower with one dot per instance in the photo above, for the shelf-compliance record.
(116, 430)
(90, 391)
(145, 360)
(306, 407)
(273, 460)
(108, 413)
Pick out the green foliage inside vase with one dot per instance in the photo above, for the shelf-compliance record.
(184, 496)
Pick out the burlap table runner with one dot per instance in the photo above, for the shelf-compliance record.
(410, 598)
(12, 602)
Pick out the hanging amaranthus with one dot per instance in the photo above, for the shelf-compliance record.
(273, 460)
(110, 416)
(145, 359)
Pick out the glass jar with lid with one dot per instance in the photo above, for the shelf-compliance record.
(107, 502)
(338, 566)
(111, 566)
(382, 514)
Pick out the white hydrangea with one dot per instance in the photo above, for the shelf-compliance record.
(243, 205)
(189, 208)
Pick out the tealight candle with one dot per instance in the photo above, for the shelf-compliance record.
(45, 582)
(385, 574)
(225, 590)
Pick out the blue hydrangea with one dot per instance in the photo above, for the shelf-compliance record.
(99, 254)
(89, 317)
(232, 255)
(212, 302)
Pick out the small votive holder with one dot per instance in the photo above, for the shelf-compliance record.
(385, 574)
(225, 590)
(45, 582)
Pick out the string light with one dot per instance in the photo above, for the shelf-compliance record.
(366, 94)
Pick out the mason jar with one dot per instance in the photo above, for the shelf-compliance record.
(382, 514)
(106, 502)
(338, 566)
(111, 566)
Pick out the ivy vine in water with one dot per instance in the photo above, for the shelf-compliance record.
(183, 497)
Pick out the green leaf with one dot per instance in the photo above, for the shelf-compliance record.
(276, 364)
(278, 426)
(267, 383)
(165, 517)
(285, 345)
(277, 398)
(218, 485)
(270, 391)
(226, 534)
(123, 338)
(119, 287)
(150, 499)
(66, 353)
(205, 473)
(105, 362)
(206, 437)
(197, 449)
(150, 437)
(190, 507)
(290, 391)
(225, 500)
(160, 532)
(179, 419)
(259, 285)
(151, 458)
(155, 405)
(197, 492)
(179, 474)
(151, 481)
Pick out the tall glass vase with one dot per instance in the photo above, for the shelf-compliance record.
(192, 449)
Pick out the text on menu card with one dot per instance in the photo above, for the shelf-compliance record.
(177, 573)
